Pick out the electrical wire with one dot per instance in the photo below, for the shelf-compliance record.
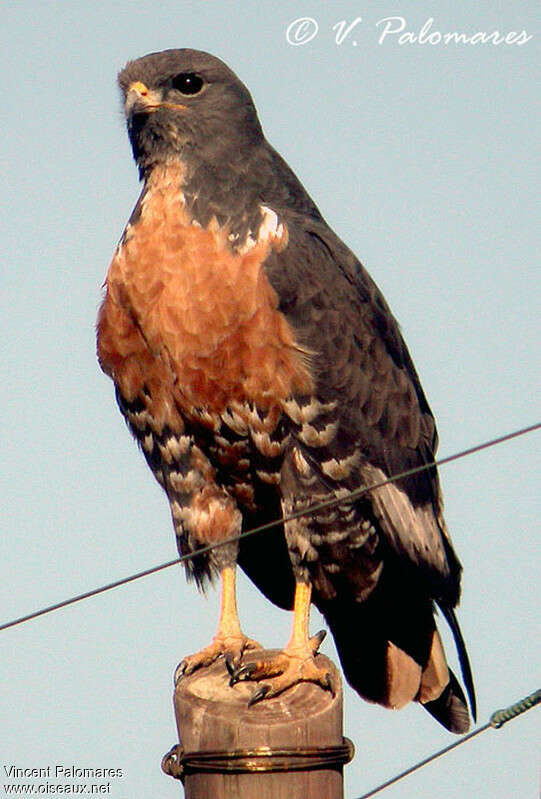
(351, 497)
(497, 720)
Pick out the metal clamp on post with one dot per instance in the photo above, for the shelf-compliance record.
(177, 763)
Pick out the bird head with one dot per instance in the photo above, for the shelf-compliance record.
(188, 105)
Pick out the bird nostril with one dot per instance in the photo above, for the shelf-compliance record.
(139, 87)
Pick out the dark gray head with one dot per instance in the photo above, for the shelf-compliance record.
(187, 104)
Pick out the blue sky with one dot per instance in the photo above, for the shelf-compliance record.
(425, 159)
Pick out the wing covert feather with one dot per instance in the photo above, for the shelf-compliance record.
(361, 363)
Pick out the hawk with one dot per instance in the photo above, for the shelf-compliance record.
(261, 371)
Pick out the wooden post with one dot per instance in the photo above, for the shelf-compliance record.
(289, 747)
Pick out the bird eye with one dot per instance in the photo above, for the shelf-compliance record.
(187, 83)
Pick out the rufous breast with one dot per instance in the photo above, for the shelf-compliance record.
(187, 314)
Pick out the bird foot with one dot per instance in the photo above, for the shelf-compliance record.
(294, 664)
(230, 647)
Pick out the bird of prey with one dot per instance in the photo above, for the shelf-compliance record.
(261, 371)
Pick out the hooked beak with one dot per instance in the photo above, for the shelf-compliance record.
(142, 100)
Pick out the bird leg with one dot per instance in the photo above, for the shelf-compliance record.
(294, 664)
(229, 641)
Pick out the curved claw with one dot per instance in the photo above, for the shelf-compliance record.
(328, 684)
(228, 647)
(179, 672)
(316, 640)
(260, 694)
(285, 670)
(242, 673)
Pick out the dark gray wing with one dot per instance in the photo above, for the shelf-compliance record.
(363, 370)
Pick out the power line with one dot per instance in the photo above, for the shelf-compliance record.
(351, 497)
(497, 720)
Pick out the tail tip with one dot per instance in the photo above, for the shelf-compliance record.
(451, 708)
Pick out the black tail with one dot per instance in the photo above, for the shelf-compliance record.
(391, 653)
(450, 709)
(463, 658)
